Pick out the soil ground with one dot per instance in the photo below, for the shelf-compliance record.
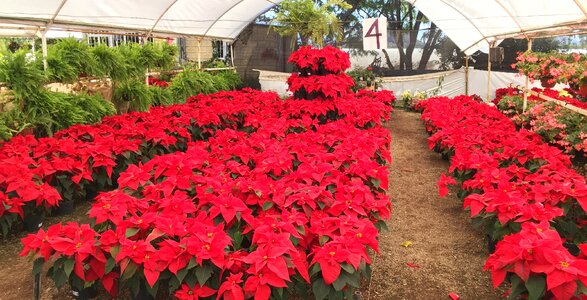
(446, 254)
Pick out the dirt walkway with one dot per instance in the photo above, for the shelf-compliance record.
(16, 279)
(446, 254)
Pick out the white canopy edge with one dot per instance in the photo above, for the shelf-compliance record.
(481, 23)
(218, 19)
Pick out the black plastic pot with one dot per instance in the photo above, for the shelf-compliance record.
(33, 222)
(65, 207)
(86, 294)
(572, 248)
(143, 294)
(490, 244)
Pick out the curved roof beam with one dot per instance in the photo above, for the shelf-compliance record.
(222, 15)
(582, 7)
(466, 18)
(55, 14)
(513, 18)
(160, 17)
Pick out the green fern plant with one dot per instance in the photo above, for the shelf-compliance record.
(135, 92)
(78, 55)
(21, 75)
(192, 82)
(110, 62)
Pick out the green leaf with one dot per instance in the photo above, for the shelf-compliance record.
(348, 268)
(59, 278)
(181, 274)
(315, 269)
(203, 273)
(517, 289)
(376, 182)
(130, 232)
(129, 271)
(110, 264)
(68, 266)
(536, 286)
(192, 263)
(320, 289)
(340, 282)
(267, 205)
(114, 250)
(38, 265)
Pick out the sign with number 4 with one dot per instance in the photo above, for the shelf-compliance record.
(375, 33)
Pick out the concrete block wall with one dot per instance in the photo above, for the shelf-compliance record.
(191, 45)
(260, 47)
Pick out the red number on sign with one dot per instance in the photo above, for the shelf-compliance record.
(370, 33)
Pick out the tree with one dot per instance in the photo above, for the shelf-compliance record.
(408, 26)
(309, 21)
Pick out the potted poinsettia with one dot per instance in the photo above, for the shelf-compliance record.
(552, 67)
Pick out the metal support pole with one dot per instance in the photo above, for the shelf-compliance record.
(525, 106)
(231, 55)
(37, 287)
(44, 48)
(488, 99)
(467, 75)
(33, 47)
(199, 53)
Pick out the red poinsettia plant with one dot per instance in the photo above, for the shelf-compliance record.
(243, 195)
(521, 190)
(320, 73)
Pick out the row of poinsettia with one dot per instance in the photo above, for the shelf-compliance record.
(37, 174)
(521, 190)
(557, 125)
(280, 194)
(567, 95)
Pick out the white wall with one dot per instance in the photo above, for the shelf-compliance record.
(453, 82)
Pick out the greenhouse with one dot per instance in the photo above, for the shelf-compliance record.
(294, 149)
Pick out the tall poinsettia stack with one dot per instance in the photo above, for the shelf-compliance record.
(320, 73)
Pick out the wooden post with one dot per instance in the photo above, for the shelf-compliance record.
(44, 48)
(467, 75)
(527, 82)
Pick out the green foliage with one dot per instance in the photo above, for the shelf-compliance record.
(77, 54)
(134, 91)
(157, 56)
(11, 123)
(363, 77)
(231, 77)
(311, 21)
(58, 69)
(51, 112)
(192, 82)
(214, 63)
(163, 96)
(20, 75)
(94, 106)
(111, 62)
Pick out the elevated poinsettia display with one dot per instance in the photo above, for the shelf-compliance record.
(521, 190)
(320, 73)
(557, 125)
(265, 197)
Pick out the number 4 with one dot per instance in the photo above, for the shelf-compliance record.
(376, 34)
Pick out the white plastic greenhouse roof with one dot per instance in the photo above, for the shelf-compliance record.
(472, 24)
(222, 19)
